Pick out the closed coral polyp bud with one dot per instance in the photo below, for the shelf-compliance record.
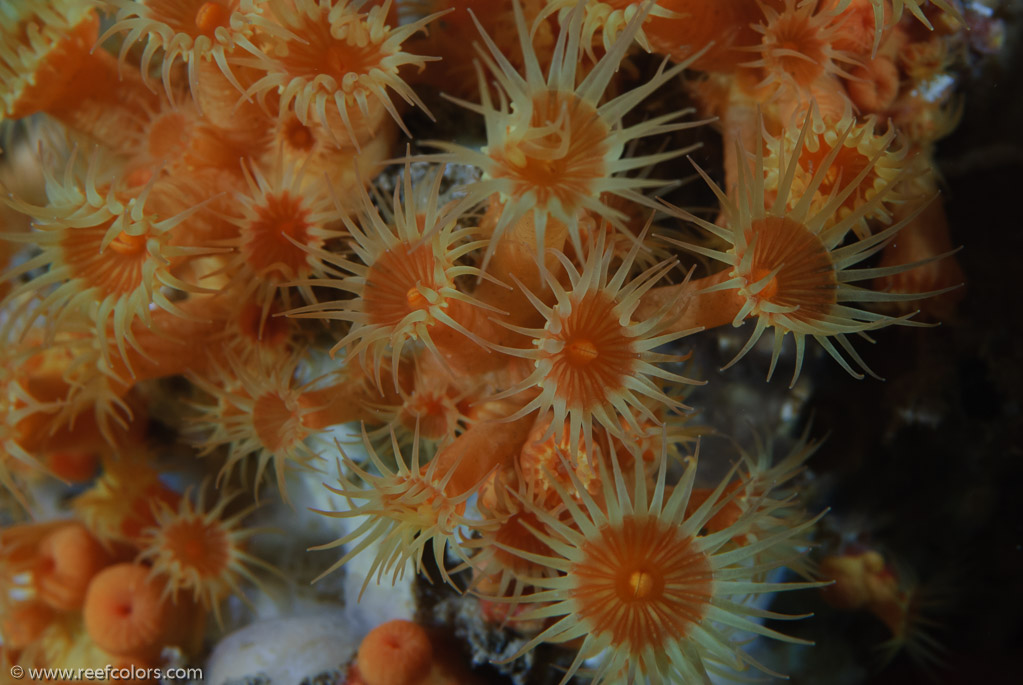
(873, 86)
(126, 613)
(24, 622)
(68, 559)
(395, 653)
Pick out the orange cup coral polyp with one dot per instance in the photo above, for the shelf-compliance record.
(333, 64)
(200, 549)
(789, 271)
(68, 559)
(790, 268)
(640, 583)
(553, 146)
(592, 361)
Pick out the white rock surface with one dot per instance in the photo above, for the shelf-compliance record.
(284, 651)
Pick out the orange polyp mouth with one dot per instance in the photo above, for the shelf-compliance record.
(581, 352)
(563, 163)
(280, 220)
(393, 286)
(804, 276)
(596, 354)
(768, 291)
(638, 570)
(210, 17)
(127, 244)
(415, 298)
(298, 135)
(199, 546)
(642, 584)
(274, 421)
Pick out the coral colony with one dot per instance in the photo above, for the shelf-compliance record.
(212, 265)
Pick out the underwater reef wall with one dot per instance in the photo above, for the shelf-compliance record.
(425, 341)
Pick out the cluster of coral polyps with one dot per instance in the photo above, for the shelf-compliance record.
(209, 211)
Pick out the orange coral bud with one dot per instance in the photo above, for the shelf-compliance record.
(126, 613)
(873, 86)
(395, 653)
(68, 559)
(24, 622)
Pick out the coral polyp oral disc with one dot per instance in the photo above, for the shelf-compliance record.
(659, 578)
(560, 156)
(788, 268)
(334, 64)
(592, 362)
(275, 235)
(397, 281)
(591, 354)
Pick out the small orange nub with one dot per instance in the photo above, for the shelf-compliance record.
(210, 17)
(128, 244)
(395, 653)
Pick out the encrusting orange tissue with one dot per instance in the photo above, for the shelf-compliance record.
(233, 256)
